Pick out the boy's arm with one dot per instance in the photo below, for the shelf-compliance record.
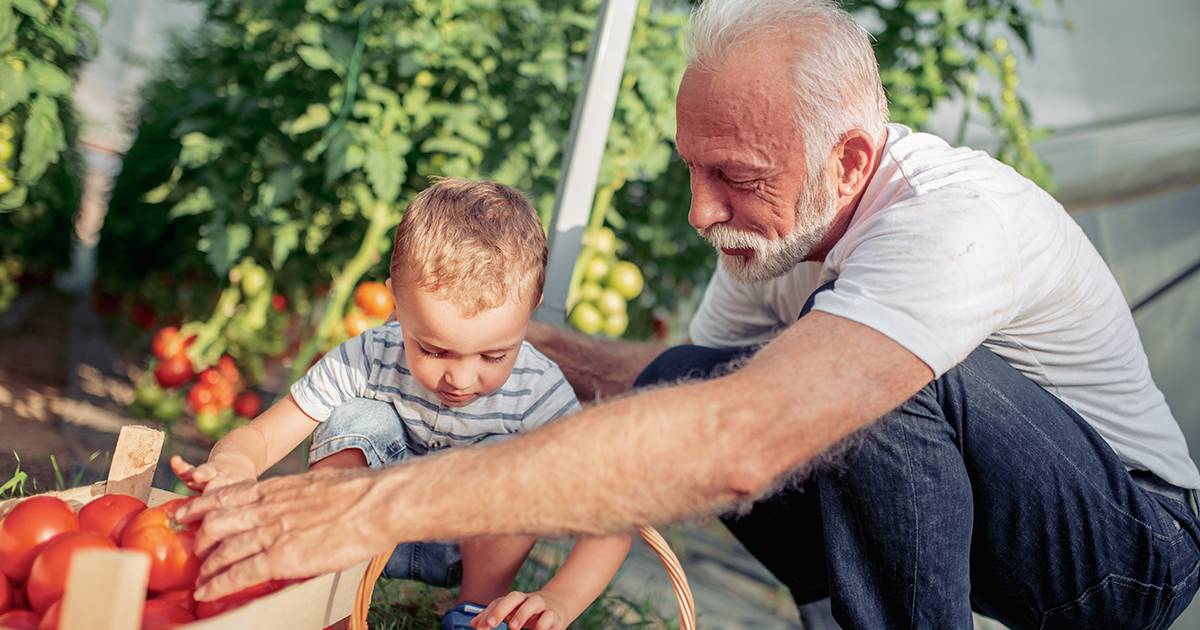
(589, 568)
(247, 451)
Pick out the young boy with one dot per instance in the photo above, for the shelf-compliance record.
(467, 270)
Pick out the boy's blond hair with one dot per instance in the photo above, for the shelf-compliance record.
(475, 244)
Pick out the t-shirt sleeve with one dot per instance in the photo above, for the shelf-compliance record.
(338, 376)
(936, 276)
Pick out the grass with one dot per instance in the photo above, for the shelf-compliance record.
(15, 486)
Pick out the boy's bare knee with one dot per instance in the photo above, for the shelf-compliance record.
(349, 458)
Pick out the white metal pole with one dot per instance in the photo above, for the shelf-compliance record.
(584, 150)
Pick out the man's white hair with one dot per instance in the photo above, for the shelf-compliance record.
(837, 84)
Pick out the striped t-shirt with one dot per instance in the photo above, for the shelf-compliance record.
(372, 365)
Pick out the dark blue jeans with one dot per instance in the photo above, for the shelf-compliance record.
(983, 492)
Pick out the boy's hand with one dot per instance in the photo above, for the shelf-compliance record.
(541, 610)
(206, 477)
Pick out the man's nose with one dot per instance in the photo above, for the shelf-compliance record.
(709, 205)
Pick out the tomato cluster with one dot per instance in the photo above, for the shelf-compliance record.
(40, 536)
(218, 395)
(372, 305)
(600, 303)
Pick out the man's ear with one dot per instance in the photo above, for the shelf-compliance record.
(857, 157)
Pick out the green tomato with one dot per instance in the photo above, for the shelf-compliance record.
(254, 280)
(6, 184)
(169, 409)
(597, 268)
(604, 240)
(587, 318)
(6, 131)
(615, 324)
(210, 424)
(150, 396)
(590, 291)
(6, 149)
(626, 278)
(611, 302)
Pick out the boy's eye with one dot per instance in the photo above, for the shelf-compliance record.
(430, 354)
(498, 359)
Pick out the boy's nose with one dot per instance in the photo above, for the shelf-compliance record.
(459, 377)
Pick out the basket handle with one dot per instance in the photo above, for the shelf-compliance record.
(683, 593)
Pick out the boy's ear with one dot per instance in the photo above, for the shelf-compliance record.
(539, 302)
(388, 283)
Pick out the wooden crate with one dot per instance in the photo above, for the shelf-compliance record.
(105, 589)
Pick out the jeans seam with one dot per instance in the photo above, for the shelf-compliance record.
(1034, 426)
(347, 436)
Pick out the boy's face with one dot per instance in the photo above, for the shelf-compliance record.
(458, 359)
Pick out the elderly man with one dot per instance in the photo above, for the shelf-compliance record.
(950, 410)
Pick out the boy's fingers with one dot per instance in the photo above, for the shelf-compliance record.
(500, 609)
(532, 607)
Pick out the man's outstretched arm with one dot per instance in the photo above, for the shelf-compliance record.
(653, 458)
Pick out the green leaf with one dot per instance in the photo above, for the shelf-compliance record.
(287, 238)
(14, 87)
(44, 138)
(199, 149)
(316, 115)
(386, 168)
(8, 23)
(224, 243)
(200, 200)
(14, 198)
(49, 79)
(318, 59)
(280, 187)
(280, 68)
(32, 8)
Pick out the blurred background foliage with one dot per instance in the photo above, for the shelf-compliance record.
(284, 138)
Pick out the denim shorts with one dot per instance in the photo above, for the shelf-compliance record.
(375, 428)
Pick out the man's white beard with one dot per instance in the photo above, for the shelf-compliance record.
(816, 211)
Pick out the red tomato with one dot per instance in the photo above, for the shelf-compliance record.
(6, 594)
(202, 398)
(48, 576)
(374, 299)
(278, 302)
(174, 371)
(164, 346)
(204, 610)
(183, 597)
(247, 404)
(51, 618)
(27, 528)
(143, 315)
(228, 369)
(160, 615)
(20, 620)
(109, 515)
(173, 561)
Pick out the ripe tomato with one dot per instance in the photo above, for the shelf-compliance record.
(204, 610)
(247, 404)
(159, 614)
(20, 620)
(228, 369)
(50, 619)
(109, 515)
(173, 561)
(143, 315)
(184, 597)
(356, 323)
(164, 346)
(48, 576)
(374, 299)
(28, 528)
(202, 398)
(6, 594)
(174, 371)
(278, 302)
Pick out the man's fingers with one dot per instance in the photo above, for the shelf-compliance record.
(250, 571)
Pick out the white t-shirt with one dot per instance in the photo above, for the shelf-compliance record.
(949, 249)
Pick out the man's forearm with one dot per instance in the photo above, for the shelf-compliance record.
(664, 455)
(594, 368)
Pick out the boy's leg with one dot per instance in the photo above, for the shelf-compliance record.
(490, 565)
(365, 432)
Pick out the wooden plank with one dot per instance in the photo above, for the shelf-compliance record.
(134, 461)
(105, 591)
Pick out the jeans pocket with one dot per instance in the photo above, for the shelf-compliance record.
(1121, 602)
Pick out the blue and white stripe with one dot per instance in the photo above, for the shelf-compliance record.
(373, 366)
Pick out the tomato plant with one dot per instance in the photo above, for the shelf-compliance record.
(28, 528)
(173, 561)
(109, 515)
(48, 575)
(158, 614)
(20, 620)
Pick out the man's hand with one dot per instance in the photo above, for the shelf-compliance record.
(297, 526)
